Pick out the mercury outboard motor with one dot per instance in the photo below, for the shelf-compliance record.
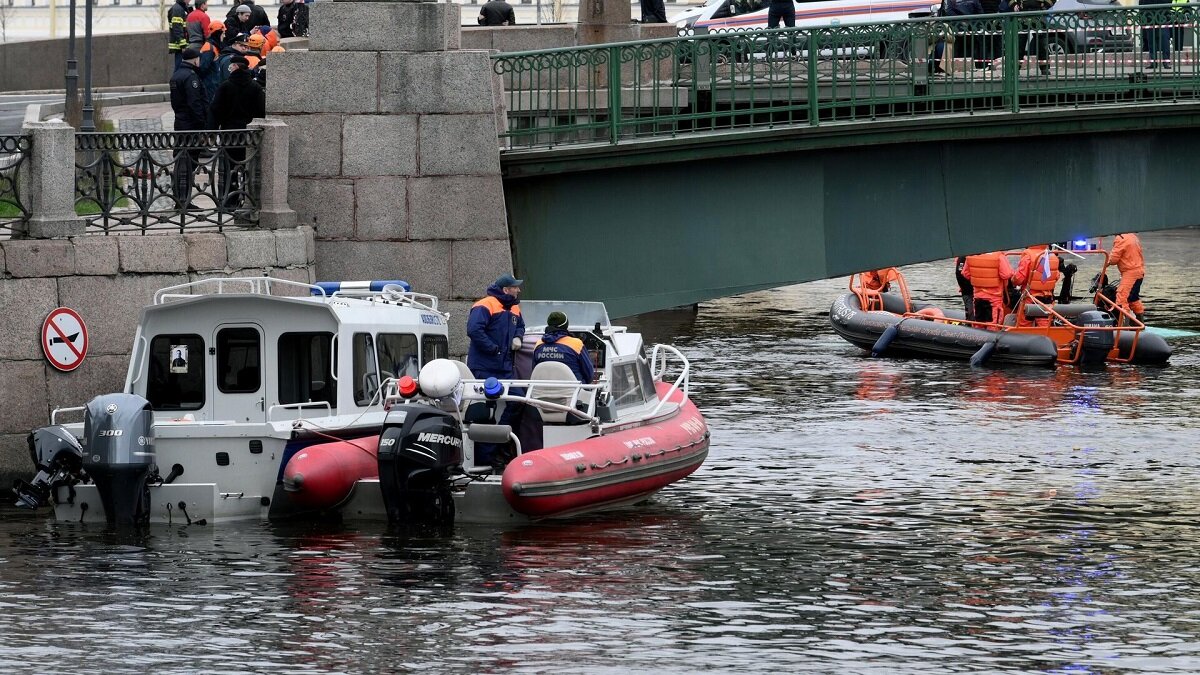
(59, 460)
(119, 456)
(419, 448)
(1096, 343)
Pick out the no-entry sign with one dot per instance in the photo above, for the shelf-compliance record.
(64, 339)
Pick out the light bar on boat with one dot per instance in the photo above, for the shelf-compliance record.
(331, 287)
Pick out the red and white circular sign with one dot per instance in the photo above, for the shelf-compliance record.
(64, 339)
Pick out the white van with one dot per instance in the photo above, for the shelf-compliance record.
(725, 15)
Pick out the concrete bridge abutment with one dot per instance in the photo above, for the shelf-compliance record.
(394, 155)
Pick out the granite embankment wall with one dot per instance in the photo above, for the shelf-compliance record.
(119, 60)
(107, 279)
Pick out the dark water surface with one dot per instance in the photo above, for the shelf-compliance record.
(855, 516)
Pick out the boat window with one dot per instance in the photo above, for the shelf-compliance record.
(305, 370)
(238, 360)
(626, 387)
(397, 354)
(649, 391)
(176, 372)
(434, 347)
(366, 377)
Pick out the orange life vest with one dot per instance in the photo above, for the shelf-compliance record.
(985, 271)
(1037, 286)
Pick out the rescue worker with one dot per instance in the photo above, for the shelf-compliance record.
(558, 346)
(964, 288)
(197, 25)
(495, 327)
(1039, 274)
(1129, 260)
(177, 34)
(238, 100)
(188, 103)
(210, 57)
(880, 280)
(989, 274)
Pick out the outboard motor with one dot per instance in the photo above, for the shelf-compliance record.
(59, 460)
(419, 449)
(119, 455)
(1096, 343)
(421, 446)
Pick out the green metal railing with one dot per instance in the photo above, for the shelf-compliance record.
(813, 76)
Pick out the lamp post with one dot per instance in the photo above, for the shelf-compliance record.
(88, 124)
(72, 102)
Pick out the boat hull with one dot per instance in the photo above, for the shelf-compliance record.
(933, 339)
(322, 476)
(616, 468)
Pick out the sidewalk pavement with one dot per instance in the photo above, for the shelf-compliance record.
(140, 117)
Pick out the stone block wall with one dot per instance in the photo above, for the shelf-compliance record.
(394, 152)
(107, 280)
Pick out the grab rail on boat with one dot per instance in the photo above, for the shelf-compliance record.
(531, 389)
(394, 293)
(872, 298)
(54, 413)
(299, 407)
(658, 368)
(258, 286)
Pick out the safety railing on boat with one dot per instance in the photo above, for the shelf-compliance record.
(872, 298)
(659, 364)
(553, 395)
(394, 293)
(219, 285)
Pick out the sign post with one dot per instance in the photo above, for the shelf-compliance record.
(64, 339)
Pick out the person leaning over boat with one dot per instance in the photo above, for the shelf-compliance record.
(989, 274)
(495, 327)
(964, 288)
(558, 346)
(1131, 263)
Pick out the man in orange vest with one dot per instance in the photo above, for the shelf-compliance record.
(880, 280)
(989, 274)
(1131, 263)
(1038, 272)
(496, 329)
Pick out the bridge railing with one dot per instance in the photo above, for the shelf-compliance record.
(167, 180)
(813, 76)
(14, 154)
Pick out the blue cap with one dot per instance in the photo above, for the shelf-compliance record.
(506, 280)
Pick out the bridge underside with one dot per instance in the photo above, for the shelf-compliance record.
(646, 226)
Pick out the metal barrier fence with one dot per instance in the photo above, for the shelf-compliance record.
(14, 153)
(187, 180)
(813, 76)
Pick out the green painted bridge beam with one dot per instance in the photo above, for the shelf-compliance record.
(710, 221)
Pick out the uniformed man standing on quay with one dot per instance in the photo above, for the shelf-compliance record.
(190, 105)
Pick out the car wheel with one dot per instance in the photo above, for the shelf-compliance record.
(1059, 46)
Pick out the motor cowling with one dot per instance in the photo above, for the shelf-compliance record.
(58, 457)
(118, 431)
(1096, 343)
(420, 448)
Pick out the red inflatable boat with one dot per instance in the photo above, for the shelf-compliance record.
(321, 476)
(622, 466)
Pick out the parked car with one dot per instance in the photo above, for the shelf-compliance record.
(1083, 33)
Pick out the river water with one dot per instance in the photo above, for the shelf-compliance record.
(854, 516)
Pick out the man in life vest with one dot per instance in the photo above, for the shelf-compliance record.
(558, 346)
(496, 329)
(989, 274)
(880, 280)
(1131, 263)
(1038, 272)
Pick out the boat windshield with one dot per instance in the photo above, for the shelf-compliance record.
(578, 313)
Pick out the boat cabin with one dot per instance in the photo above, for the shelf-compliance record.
(240, 350)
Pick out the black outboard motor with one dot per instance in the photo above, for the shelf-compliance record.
(1096, 343)
(419, 448)
(119, 456)
(59, 460)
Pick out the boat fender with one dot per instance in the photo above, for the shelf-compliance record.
(885, 339)
(930, 313)
(984, 353)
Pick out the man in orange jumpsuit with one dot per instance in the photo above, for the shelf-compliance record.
(989, 274)
(1127, 257)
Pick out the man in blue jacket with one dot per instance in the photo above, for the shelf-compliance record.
(496, 327)
(558, 346)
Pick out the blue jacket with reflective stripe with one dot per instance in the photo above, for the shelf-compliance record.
(492, 324)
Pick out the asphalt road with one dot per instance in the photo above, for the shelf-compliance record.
(12, 109)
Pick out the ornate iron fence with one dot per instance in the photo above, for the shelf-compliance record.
(818, 75)
(14, 153)
(185, 180)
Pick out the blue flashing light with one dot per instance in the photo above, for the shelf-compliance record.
(331, 287)
(1080, 244)
(492, 388)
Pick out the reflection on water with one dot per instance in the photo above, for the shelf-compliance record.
(855, 515)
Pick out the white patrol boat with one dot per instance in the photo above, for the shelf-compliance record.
(263, 398)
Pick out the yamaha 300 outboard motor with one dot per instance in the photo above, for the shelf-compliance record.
(1096, 343)
(419, 448)
(59, 460)
(119, 455)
